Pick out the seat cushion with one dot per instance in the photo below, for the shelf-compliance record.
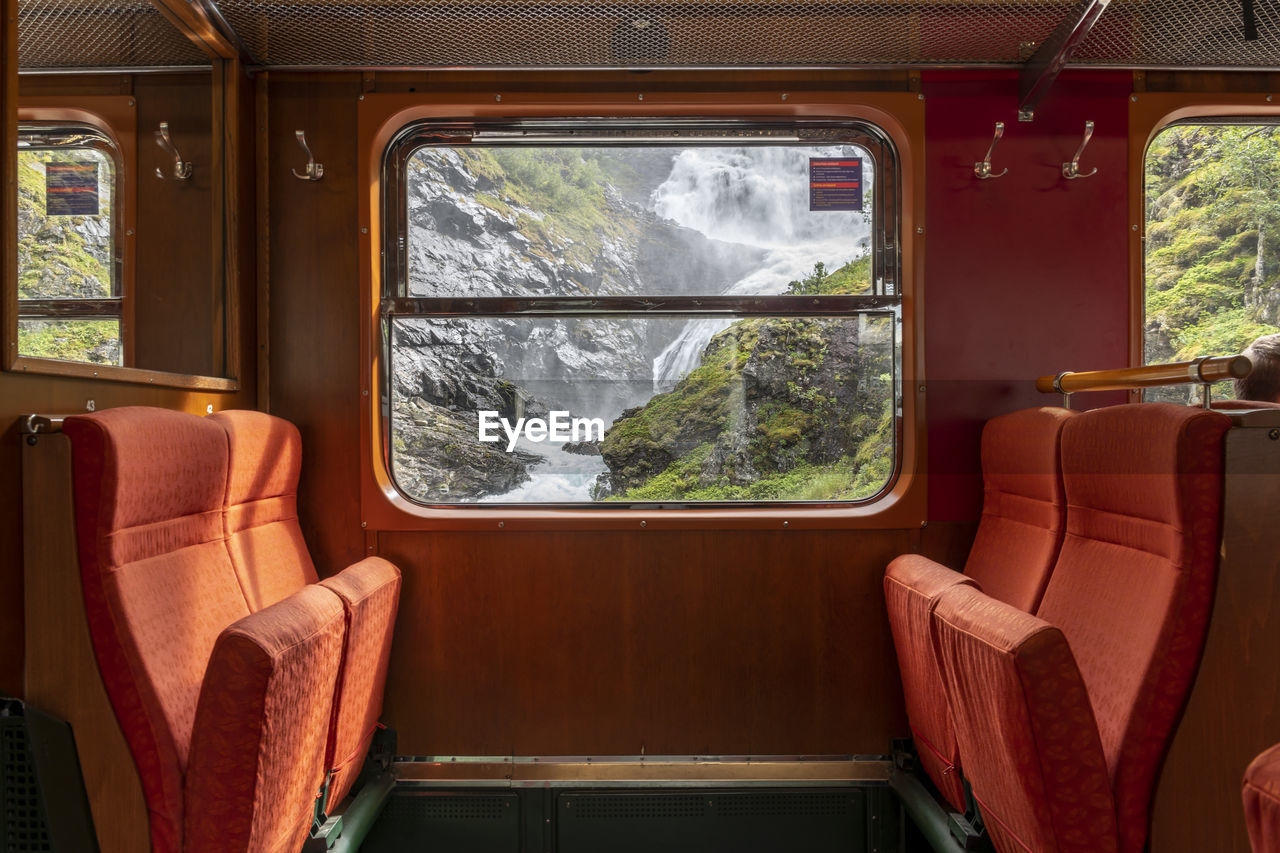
(1133, 585)
(258, 745)
(1023, 508)
(261, 506)
(1025, 727)
(158, 584)
(370, 593)
(912, 586)
(1262, 801)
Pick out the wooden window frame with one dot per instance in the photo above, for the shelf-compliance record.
(899, 115)
(114, 115)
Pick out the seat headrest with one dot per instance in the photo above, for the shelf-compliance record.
(266, 455)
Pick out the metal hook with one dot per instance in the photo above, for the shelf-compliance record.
(982, 170)
(181, 168)
(1071, 170)
(314, 170)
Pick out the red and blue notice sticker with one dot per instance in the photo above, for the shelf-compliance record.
(71, 189)
(835, 183)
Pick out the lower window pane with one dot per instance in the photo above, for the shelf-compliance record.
(644, 409)
(93, 341)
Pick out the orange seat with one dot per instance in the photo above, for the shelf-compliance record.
(1121, 625)
(1262, 801)
(271, 560)
(1016, 544)
(200, 593)
(258, 744)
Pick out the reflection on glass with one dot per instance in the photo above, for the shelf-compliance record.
(67, 249)
(572, 409)
(93, 341)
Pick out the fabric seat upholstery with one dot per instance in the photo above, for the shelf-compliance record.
(1017, 541)
(258, 744)
(1033, 754)
(271, 558)
(1262, 801)
(1130, 593)
(158, 583)
(261, 506)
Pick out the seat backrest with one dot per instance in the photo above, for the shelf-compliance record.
(370, 592)
(1262, 801)
(1025, 726)
(261, 506)
(1023, 510)
(158, 584)
(1133, 584)
(258, 747)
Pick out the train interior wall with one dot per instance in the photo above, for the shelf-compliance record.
(707, 641)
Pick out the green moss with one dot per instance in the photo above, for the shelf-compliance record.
(93, 341)
(851, 279)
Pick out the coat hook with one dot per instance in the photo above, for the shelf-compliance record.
(314, 171)
(1071, 170)
(982, 169)
(181, 168)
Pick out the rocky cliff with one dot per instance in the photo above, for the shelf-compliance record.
(494, 222)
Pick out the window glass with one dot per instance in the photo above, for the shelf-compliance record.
(642, 324)
(1212, 244)
(68, 264)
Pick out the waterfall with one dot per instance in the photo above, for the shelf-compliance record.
(759, 197)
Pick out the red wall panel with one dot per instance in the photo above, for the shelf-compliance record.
(1026, 274)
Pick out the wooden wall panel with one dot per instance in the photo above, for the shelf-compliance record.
(608, 643)
(314, 305)
(174, 242)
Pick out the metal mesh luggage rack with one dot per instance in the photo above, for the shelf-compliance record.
(69, 34)
(738, 33)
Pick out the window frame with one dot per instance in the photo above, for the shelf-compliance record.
(1140, 343)
(886, 298)
(73, 308)
(897, 109)
(1150, 113)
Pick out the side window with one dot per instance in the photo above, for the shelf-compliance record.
(69, 288)
(1212, 256)
(652, 317)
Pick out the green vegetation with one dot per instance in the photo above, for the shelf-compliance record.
(851, 279)
(1213, 250)
(93, 341)
(778, 409)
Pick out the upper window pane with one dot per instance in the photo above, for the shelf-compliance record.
(634, 221)
(1212, 244)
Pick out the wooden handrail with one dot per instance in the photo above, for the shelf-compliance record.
(1198, 371)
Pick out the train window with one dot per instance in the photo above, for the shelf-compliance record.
(671, 315)
(69, 288)
(1212, 270)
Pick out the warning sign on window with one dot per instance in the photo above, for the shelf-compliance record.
(71, 189)
(835, 184)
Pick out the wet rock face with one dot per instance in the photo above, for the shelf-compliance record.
(437, 458)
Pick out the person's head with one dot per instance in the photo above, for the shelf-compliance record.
(1263, 382)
